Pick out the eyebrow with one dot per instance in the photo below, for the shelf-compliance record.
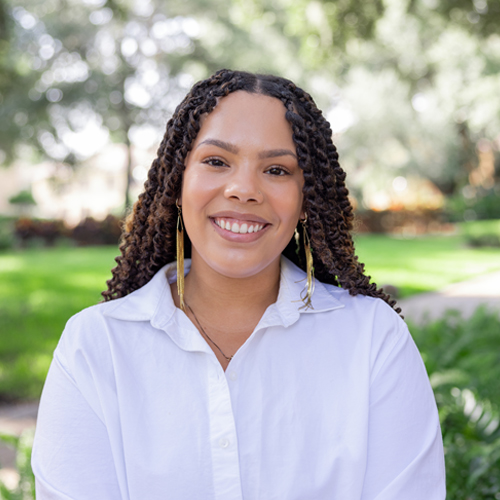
(270, 153)
(220, 144)
(273, 153)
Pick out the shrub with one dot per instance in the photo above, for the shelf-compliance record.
(25, 489)
(7, 238)
(482, 205)
(393, 221)
(482, 233)
(93, 232)
(30, 232)
(22, 198)
(463, 362)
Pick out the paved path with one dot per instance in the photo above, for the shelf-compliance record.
(465, 296)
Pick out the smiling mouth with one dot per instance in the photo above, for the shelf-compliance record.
(238, 227)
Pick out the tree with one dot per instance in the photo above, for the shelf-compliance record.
(116, 69)
(421, 95)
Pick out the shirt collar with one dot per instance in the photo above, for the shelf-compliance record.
(153, 302)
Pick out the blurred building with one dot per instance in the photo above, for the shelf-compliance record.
(94, 188)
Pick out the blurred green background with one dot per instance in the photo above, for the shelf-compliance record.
(410, 87)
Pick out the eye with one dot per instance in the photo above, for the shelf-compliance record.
(277, 170)
(215, 162)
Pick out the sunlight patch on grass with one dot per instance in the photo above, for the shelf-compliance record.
(11, 263)
(423, 264)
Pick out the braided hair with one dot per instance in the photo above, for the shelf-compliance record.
(148, 240)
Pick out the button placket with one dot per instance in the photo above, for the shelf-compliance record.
(225, 460)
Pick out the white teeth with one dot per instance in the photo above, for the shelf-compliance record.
(236, 228)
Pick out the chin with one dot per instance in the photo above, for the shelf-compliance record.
(240, 266)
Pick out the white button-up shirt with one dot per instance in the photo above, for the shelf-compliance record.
(325, 403)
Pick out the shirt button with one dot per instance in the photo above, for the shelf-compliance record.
(233, 376)
(224, 443)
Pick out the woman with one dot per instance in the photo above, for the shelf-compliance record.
(251, 378)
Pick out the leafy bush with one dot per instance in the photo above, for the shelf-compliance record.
(482, 233)
(483, 205)
(25, 489)
(6, 232)
(28, 232)
(22, 198)
(39, 232)
(93, 232)
(463, 362)
(392, 221)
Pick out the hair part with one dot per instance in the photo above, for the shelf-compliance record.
(148, 240)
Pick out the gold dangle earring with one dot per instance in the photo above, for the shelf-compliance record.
(180, 256)
(296, 235)
(309, 268)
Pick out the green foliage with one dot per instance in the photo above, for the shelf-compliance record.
(320, 29)
(480, 17)
(413, 107)
(22, 198)
(463, 361)
(25, 489)
(411, 77)
(6, 232)
(482, 233)
(477, 205)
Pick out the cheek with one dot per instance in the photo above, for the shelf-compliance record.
(196, 190)
(290, 204)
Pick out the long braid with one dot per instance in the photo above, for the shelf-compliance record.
(148, 240)
(334, 257)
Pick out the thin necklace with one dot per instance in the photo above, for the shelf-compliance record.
(228, 358)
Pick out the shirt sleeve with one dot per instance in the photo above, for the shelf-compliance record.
(405, 452)
(72, 456)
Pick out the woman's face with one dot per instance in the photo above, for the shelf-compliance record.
(242, 187)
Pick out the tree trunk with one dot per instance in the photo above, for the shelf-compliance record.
(128, 201)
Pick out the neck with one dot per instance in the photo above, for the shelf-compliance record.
(212, 294)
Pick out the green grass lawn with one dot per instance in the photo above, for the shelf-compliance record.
(41, 288)
(423, 264)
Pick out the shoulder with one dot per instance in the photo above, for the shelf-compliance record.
(92, 319)
(90, 332)
(92, 324)
(372, 308)
(335, 309)
(368, 317)
(85, 334)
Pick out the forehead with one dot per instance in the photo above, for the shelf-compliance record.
(248, 119)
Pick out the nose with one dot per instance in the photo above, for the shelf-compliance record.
(243, 186)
